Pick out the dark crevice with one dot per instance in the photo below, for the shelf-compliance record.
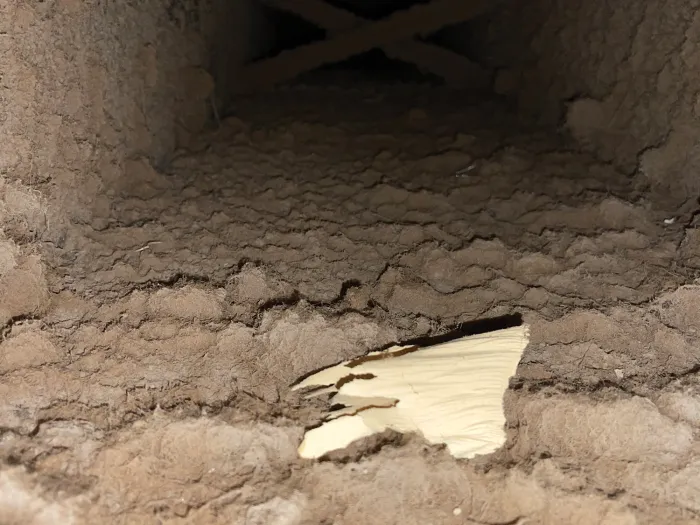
(464, 329)
(15, 321)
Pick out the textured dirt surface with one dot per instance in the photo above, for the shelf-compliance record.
(146, 364)
(628, 73)
(162, 283)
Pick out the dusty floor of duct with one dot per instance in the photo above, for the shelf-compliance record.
(318, 225)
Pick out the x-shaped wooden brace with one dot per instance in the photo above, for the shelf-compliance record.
(351, 35)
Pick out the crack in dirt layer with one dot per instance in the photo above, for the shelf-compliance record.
(328, 224)
(151, 385)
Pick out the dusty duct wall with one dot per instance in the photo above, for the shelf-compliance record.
(87, 85)
(624, 76)
(87, 88)
(94, 94)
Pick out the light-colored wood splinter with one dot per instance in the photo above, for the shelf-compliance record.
(450, 393)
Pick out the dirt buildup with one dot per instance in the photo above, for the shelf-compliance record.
(168, 271)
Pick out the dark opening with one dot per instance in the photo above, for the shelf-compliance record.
(475, 327)
(292, 31)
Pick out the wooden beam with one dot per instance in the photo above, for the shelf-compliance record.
(422, 19)
(330, 18)
(456, 70)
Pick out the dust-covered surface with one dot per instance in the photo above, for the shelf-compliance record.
(87, 85)
(153, 314)
(147, 380)
(627, 71)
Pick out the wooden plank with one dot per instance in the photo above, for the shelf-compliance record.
(331, 18)
(455, 69)
(421, 19)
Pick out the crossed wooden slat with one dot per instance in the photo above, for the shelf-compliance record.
(351, 35)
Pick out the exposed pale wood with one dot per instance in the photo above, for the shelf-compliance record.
(422, 19)
(454, 68)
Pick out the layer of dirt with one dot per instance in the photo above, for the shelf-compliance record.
(627, 72)
(150, 384)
